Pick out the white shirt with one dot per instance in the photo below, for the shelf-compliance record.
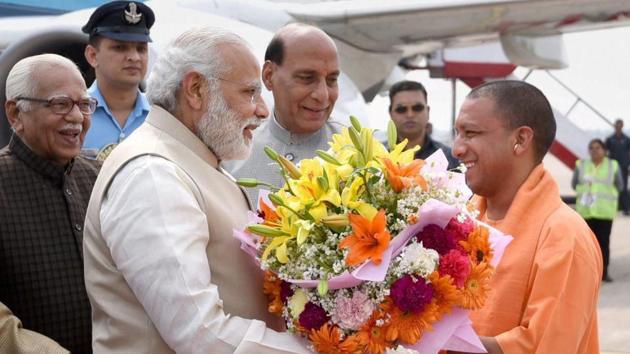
(157, 234)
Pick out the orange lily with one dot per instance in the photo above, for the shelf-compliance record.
(402, 176)
(268, 213)
(369, 239)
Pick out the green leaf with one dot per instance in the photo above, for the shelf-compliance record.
(374, 180)
(392, 135)
(373, 171)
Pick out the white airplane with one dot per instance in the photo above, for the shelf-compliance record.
(470, 40)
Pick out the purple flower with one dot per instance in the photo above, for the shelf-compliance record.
(285, 291)
(411, 296)
(433, 236)
(313, 316)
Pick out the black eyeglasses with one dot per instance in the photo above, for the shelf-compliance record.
(63, 104)
(402, 109)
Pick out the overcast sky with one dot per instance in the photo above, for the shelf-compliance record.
(599, 71)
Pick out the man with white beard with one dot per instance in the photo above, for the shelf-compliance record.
(163, 272)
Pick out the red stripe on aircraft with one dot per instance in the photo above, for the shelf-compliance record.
(563, 154)
(569, 20)
(477, 70)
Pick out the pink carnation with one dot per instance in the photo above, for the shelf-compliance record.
(433, 236)
(460, 230)
(352, 313)
(457, 265)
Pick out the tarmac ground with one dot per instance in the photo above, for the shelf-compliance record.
(614, 299)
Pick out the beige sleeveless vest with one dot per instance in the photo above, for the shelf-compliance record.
(120, 324)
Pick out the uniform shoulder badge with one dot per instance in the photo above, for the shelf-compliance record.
(132, 16)
(105, 151)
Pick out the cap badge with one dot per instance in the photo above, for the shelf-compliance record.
(131, 15)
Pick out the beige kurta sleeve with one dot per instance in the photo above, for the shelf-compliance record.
(17, 340)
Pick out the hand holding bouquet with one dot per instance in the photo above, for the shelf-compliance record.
(366, 249)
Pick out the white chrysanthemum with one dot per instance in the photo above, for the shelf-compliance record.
(419, 260)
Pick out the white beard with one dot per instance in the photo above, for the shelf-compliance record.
(221, 130)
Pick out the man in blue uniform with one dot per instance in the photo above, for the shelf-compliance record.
(118, 52)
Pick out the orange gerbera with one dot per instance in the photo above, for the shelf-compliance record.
(478, 245)
(268, 213)
(327, 340)
(477, 286)
(403, 176)
(444, 292)
(369, 239)
(408, 327)
(271, 288)
(372, 337)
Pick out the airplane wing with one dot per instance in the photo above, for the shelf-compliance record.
(383, 26)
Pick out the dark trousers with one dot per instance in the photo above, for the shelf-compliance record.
(601, 229)
(624, 198)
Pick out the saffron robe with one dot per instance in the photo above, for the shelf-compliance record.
(545, 289)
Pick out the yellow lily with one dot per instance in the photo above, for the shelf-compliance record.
(314, 189)
(398, 154)
(351, 198)
(279, 244)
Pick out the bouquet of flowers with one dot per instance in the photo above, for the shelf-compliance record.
(365, 249)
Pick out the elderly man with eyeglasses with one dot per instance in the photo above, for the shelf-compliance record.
(44, 191)
(409, 110)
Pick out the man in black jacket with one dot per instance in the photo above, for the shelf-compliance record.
(618, 145)
(409, 110)
(44, 191)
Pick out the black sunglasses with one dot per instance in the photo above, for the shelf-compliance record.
(401, 109)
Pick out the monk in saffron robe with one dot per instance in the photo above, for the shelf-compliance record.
(544, 293)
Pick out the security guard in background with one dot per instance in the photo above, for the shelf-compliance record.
(118, 52)
(597, 182)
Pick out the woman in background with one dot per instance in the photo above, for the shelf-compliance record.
(597, 182)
